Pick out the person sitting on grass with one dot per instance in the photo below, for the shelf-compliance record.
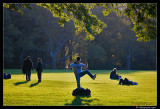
(127, 82)
(114, 74)
(77, 68)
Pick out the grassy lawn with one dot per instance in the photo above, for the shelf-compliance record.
(57, 86)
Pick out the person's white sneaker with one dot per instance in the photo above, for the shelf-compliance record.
(94, 77)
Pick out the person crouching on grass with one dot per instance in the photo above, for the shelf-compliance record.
(39, 69)
(77, 68)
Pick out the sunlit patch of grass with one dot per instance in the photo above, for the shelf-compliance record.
(57, 86)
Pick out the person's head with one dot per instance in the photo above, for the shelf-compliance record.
(114, 69)
(39, 60)
(78, 60)
(28, 57)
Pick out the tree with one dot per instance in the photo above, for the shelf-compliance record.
(143, 16)
(11, 32)
(38, 34)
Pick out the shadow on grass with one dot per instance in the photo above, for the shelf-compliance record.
(127, 85)
(34, 84)
(79, 100)
(18, 83)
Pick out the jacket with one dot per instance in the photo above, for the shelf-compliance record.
(27, 65)
(39, 67)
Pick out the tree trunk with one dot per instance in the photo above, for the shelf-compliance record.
(70, 50)
(53, 61)
(128, 57)
(128, 63)
(21, 57)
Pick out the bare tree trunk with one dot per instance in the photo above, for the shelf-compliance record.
(53, 55)
(128, 63)
(128, 58)
(21, 57)
(54, 62)
(70, 50)
(88, 58)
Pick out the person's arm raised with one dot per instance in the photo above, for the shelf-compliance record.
(70, 65)
(85, 66)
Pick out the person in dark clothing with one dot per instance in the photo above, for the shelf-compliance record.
(127, 82)
(39, 69)
(27, 68)
(114, 74)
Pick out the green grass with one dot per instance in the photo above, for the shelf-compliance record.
(57, 86)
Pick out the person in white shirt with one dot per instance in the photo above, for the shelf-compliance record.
(77, 68)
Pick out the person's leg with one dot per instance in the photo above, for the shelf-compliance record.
(29, 75)
(130, 82)
(86, 72)
(78, 81)
(26, 76)
(39, 76)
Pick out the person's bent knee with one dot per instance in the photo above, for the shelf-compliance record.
(87, 70)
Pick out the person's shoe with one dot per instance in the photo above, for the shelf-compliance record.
(120, 81)
(94, 77)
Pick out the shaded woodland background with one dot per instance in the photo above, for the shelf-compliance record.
(38, 34)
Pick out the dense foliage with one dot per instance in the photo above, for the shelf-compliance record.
(38, 34)
(143, 16)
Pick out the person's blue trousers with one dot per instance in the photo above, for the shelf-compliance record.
(82, 74)
(28, 75)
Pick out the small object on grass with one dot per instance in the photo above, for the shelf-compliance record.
(81, 91)
(6, 76)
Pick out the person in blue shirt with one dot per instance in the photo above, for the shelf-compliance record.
(77, 68)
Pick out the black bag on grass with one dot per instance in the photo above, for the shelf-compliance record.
(6, 76)
(81, 91)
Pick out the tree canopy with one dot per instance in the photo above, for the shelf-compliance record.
(38, 34)
(142, 16)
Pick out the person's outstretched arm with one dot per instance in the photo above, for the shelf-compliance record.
(70, 65)
(85, 66)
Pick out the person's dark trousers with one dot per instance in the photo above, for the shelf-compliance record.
(82, 74)
(28, 76)
(39, 73)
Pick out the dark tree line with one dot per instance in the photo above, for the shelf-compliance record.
(38, 34)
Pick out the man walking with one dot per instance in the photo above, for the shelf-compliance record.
(39, 69)
(77, 68)
(27, 67)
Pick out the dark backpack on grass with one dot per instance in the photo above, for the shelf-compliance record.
(6, 76)
(81, 91)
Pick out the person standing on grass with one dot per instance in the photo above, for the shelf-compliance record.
(77, 68)
(39, 69)
(27, 67)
